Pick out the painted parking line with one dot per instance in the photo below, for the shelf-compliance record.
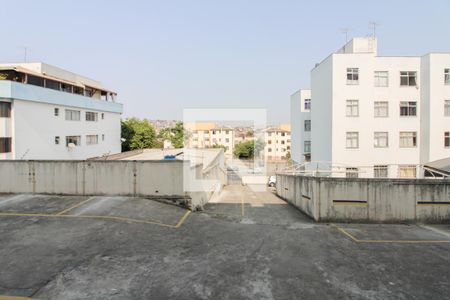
(99, 217)
(74, 206)
(356, 240)
(5, 297)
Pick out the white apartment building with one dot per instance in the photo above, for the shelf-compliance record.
(277, 142)
(50, 113)
(378, 116)
(301, 126)
(208, 135)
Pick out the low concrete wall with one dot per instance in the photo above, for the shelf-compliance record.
(160, 179)
(373, 200)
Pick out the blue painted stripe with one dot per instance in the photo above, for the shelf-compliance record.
(20, 91)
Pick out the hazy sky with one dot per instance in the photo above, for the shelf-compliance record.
(163, 56)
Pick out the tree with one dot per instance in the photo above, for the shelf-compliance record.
(174, 134)
(138, 134)
(248, 149)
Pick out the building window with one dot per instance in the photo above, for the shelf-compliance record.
(380, 171)
(447, 76)
(407, 171)
(103, 116)
(381, 109)
(352, 140)
(282, 142)
(66, 88)
(307, 125)
(103, 137)
(78, 90)
(351, 172)
(227, 132)
(307, 146)
(283, 134)
(91, 116)
(5, 109)
(269, 149)
(269, 142)
(92, 139)
(352, 76)
(408, 139)
(74, 140)
(227, 140)
(408, 78)
(56, 112)
(307, 104)
(5, 144)
(381, 78)
(381, 140)
(352, 108)
(408, 108)
(35, 80)
(72, 115)
(447, 108)
(447, 139)
(56, 140)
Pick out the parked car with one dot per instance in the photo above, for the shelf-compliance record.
(272, 181)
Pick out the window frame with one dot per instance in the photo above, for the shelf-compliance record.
(71, 137)
(89, 141)
(354, 74)
(409, 108)
(6, 145)
(70, 112)
(351, 104)
(307, 104)
(350, 136)
(413, 137)
(407, 75)
(307, 147)
(380, 168)
(447, 139)
(377, 136)
(91, 113)
(377, 78)
(307, 125)
(405, 168)
(446, 108)
(447, 76)
(377, 107)
(5, 112)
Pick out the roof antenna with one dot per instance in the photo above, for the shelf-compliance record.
(373, 25)
(25, 53)
(345, 31)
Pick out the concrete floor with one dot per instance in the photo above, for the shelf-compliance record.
(246, 245)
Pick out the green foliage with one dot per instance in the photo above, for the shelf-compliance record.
(138, 134)
(248, 149)
(220, 146)
(174, 134)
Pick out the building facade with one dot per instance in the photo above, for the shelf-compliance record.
(277, 142)
(49, 113)
(209, 135)
(377, 116)
(301, 126)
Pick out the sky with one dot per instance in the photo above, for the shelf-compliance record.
(164, 56)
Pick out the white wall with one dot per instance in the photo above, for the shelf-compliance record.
(366, 124)
(35, 128)
(298, 116)
(321, 111)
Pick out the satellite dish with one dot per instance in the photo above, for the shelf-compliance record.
(71, 145)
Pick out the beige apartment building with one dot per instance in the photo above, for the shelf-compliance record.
(208, 135)
(277, 142)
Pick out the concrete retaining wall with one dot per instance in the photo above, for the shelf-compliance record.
(373, 200)
(163, 179)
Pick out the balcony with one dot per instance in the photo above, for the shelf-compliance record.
(27, 92)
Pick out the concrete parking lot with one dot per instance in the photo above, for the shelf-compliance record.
(245, 245)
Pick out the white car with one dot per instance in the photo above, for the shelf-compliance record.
(272, 181)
